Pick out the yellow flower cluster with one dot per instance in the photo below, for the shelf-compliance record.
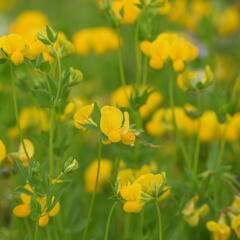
(23, 40)
(195, 80)
(121, 96)
(14, 46)
(91, 174)
(128, 11)
(31, 117)
(21, 154)
(228, 21)
(99, 40)
(206, 126)
(169, 46)
(221, 230)
(137, 192)
(113, 123)
(188, 14)
(27, 25)
(24, 209)
(192, 214)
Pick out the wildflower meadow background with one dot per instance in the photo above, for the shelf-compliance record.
(119, 119)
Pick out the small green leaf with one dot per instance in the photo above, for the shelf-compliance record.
(43, 97)
(89, 127)
(52, 35)
(96, 115)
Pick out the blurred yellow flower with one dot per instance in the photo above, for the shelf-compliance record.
(23, 156)
(3, 151)
(220, 230)
(99, 40)
(24, 209)
(169, 46)
(14, 46)
(121, 96)
(91, 174)
(82, 115)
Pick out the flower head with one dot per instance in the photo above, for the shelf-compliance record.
(115, 125)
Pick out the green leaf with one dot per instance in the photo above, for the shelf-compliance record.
(103, 137)
(89, 127)
(53, 85)
(52, 35)
(23, 190)
(43, 39)
(43, 97)
(3, 60)
(96, 115)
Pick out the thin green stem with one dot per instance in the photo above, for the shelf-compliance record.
(36, 231)
(109, 220)
(127, 226)
(160, 230)
(145, 70)
(48, 233)
(120, 62)
(51, 137)
(29, 232)
(137, 54)
(58, 75)
(15, 106)
(178, 136)
(94, 192)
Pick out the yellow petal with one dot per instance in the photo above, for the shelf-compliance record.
(111, 119)
(22, 210)
(3, 151)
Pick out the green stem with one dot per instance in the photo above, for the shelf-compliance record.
(15, 106)
(29, 232)
(127, 226)
(94, 192)
(120, 63)
(160, 230)
(36, 231)
(137, 54)
(48, 233)
(51, 137)
(109, 220)
(178, 136)
(52, 112)
(145, 70)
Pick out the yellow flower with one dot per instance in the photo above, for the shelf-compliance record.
(220, 230)
(195, 79)
(209, 126)
(91, 174)
(235, 224)
(29, 149)
(152, 183)
(129, 9)
(82, 116)
(45, 214)
(24, 210)
(169, 46)
(31, 117)
(121, 96)
(15, 46)
(113, 127)
(132, 196)
(3, 151)
(193, 214)
(228, 21)
(99, 40)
